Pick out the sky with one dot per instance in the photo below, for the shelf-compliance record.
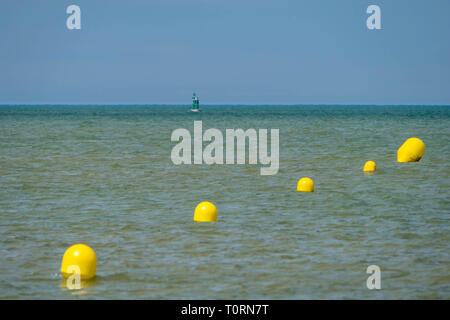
(228, 51)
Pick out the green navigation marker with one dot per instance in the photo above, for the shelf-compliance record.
(195, 103)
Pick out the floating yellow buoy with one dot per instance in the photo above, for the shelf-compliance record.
(305, 185)
(412, 150)
(205, 212)
(370, 166)
(79, 257)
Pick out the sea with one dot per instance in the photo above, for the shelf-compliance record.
(102, 175)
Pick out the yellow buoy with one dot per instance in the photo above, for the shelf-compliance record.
(305, 185)
(79, 257)
(370, 166)
(205, 212)
(412, 150)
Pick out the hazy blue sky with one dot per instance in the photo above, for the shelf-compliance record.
(229, 51)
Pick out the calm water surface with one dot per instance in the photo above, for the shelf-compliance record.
(102, 175)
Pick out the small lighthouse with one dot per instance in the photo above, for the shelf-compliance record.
(195, 103)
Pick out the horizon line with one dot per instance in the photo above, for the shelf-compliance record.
(221, 104)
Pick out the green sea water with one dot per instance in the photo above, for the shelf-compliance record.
(103, 176)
